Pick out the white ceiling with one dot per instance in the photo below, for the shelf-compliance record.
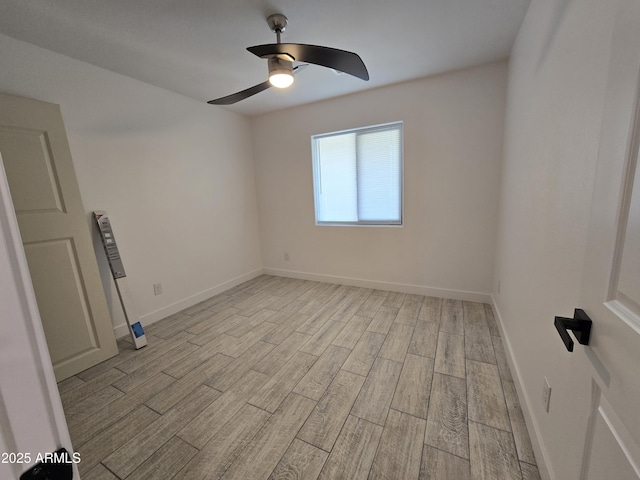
(198, 48)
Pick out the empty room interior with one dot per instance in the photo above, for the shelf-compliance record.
(421, 260)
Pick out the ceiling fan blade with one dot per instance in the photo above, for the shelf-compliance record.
(236, 97)
(341, 60)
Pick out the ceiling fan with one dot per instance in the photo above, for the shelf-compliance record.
(280, 58)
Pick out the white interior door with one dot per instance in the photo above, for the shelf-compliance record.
(610, 292)
(32, 421)
(55, 234)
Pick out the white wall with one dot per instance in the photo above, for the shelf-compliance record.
(453, 126)
(175, 175)
(557, 78)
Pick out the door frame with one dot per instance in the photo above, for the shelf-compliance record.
(27, 380)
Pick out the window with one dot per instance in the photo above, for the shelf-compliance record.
(357, 176)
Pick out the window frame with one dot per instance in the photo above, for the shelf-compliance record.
(399, 125)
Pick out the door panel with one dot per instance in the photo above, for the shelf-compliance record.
(609, 450)
(66, 302)
(28, 151)
(626, 277)
(610, 276)
(55, 233)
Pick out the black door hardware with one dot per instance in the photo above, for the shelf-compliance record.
(54, 466)
(580, 324)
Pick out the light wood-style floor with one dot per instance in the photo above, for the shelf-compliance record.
(281, 378)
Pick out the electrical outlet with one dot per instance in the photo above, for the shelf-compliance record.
(286, 256)
(157, 289)
(546, 394)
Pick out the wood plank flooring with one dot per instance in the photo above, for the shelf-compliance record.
(280, 378)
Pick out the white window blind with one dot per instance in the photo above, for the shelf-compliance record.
(358, 176)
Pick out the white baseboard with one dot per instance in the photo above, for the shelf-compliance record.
(123, 329)
(394, 287)
(526, 400)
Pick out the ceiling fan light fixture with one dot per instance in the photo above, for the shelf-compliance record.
(280, 72)
(281, 56)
